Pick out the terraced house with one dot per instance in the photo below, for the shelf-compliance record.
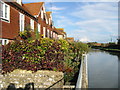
(17, 17)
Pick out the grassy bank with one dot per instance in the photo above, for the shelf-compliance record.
(106, 49)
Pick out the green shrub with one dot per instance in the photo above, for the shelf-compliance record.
(43, 54)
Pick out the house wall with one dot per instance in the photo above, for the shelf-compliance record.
(27, 22)
(60, 36)
(10, 29)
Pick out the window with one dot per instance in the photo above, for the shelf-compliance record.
(1, 9)
(0, 42)
(44, 32)
(32, 24)
(3, 41)
(38, 27)
(48, 33)
(6, 7)
(51, 34)
(5, 11)
(22, 18)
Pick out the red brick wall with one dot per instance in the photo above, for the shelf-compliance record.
(35, 25)
(27, 22)
(10, 30)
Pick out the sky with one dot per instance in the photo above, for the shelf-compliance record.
(86, 21)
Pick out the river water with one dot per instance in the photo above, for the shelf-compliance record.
(103, 69)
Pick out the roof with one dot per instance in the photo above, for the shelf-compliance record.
(15, 4)
(48, 14)
(62, 29)
(64, 32)
(34, 8)
(70, 37)
(58, 32)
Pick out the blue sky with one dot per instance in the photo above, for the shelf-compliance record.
(86, 21)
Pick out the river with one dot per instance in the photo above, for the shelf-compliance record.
(103, 69)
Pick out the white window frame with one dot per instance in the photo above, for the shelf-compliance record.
(55, 36)
(32, 24)
(48, 33)
(22, 21)
(51, 33)
(44, 32)
(42, 14)
(3, 16)
(39, 28)
(3, 41)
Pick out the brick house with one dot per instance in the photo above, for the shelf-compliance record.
(44, 18)
(62, 34)
(50, 24)
(70, 39)
(16, 17)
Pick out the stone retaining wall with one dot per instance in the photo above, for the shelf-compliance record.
(41, 79)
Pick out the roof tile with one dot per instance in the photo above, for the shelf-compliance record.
(34, 8)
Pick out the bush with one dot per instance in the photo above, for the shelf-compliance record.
(32, 55)
(73, 59)
(43, 54)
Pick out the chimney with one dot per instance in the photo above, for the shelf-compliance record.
(19, 2)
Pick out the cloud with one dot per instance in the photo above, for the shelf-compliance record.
(99, 0)
(62, 21)
(70, 0)
(97, 21)
(97, 10)
(84, 39)
(55, 8)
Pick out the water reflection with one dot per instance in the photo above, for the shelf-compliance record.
(103, 69)
(118, 55)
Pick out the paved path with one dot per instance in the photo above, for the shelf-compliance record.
(84, 76)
